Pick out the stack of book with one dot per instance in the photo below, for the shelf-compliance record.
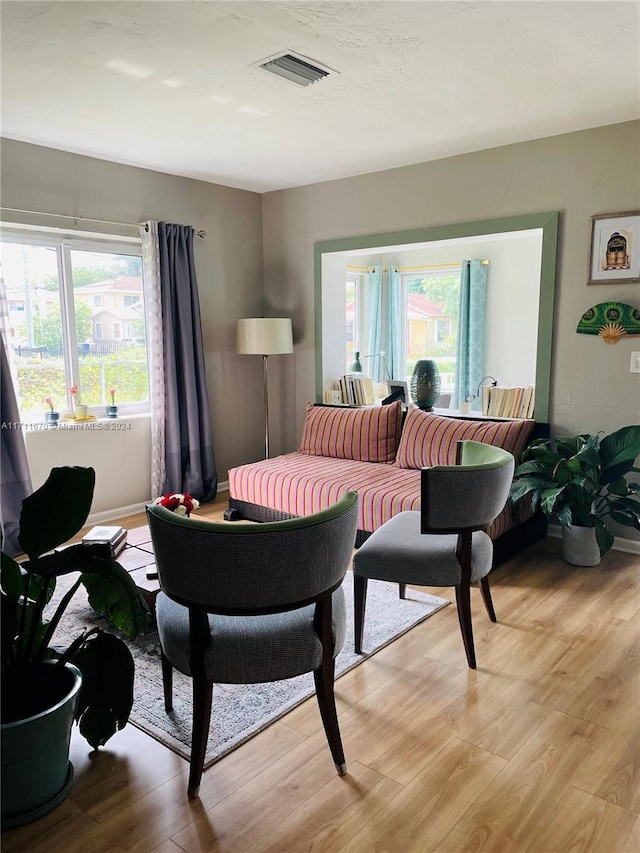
(115, 537)
(356, 390)
(499, 401)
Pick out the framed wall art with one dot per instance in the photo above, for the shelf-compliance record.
(614, 256)
(397, 391)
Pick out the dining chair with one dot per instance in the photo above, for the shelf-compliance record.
(249, 603)
(443, 543)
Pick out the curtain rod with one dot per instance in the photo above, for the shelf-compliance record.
(88, 219)
(484, 263)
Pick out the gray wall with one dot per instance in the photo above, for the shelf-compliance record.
(578, 174)
(229, 264)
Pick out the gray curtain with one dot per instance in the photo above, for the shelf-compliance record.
(189, 458)
(15, 480)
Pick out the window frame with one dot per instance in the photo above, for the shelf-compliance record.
(64, 242)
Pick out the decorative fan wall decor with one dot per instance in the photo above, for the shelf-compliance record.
(611, 321)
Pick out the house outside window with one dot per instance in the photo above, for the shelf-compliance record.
(432, 316)
(69, 331)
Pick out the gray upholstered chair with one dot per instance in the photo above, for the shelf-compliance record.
(250, 603)
(444, 543)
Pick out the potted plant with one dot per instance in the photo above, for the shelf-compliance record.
(81, 409)
(112, 409)
(51, 417)
(581, 481)
(45, 688)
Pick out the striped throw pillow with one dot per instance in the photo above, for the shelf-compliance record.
(366, 435)
(429, 439)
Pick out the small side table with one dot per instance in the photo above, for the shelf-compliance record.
(138, 559)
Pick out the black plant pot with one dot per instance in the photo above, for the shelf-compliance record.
(51, 417)
(425, 384)
(112, 411)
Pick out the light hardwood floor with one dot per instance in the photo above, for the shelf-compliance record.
(537, 750)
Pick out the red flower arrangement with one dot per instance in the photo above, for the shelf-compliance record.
(182, 504)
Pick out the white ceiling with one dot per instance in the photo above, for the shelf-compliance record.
(172, 86)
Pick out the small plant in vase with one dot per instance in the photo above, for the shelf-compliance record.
(80, 408)
(112, 409)
(51, 417)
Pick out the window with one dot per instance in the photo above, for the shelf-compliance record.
(59, 285)
(131, 299)
(432, 316)
(353, 316)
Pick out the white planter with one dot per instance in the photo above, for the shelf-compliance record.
(579, 546)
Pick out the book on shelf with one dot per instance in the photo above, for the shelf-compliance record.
(501, 401)
(353, 391)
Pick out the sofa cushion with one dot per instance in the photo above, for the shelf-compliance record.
(429, 439)
(369, 434)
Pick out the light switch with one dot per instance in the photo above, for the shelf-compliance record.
(635, 362)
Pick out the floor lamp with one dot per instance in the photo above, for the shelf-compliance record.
(265, 336)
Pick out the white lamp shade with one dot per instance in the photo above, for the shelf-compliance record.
(264, 336)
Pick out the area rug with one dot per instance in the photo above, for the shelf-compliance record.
(241, 711)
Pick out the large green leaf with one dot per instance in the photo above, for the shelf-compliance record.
(603, 537)
(569, 445)
(619, 451)
(561, 473)
(534, 466)
(564, 515)
(589, 455)
(11, 577)
(106, 695)
(91, 559)
(117, 597)
(57, 510)
(619, 487)
(548, 499)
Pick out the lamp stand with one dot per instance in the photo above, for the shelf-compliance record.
(266, 406)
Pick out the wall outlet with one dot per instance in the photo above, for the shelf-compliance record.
(635, 362)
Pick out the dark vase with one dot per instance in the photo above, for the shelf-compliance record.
(51, 417)
(425, 384)
(112, 411)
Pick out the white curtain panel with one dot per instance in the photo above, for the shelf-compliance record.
(153, 317)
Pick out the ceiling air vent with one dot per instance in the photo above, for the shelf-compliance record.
(294, 68)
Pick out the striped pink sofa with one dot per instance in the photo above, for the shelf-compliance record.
(375, 451)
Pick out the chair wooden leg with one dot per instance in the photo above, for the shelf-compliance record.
(402, 589)
(463, 601)
(202, 692)
(324, 678)
(485, 590)
(167, 683)
(359, 603)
